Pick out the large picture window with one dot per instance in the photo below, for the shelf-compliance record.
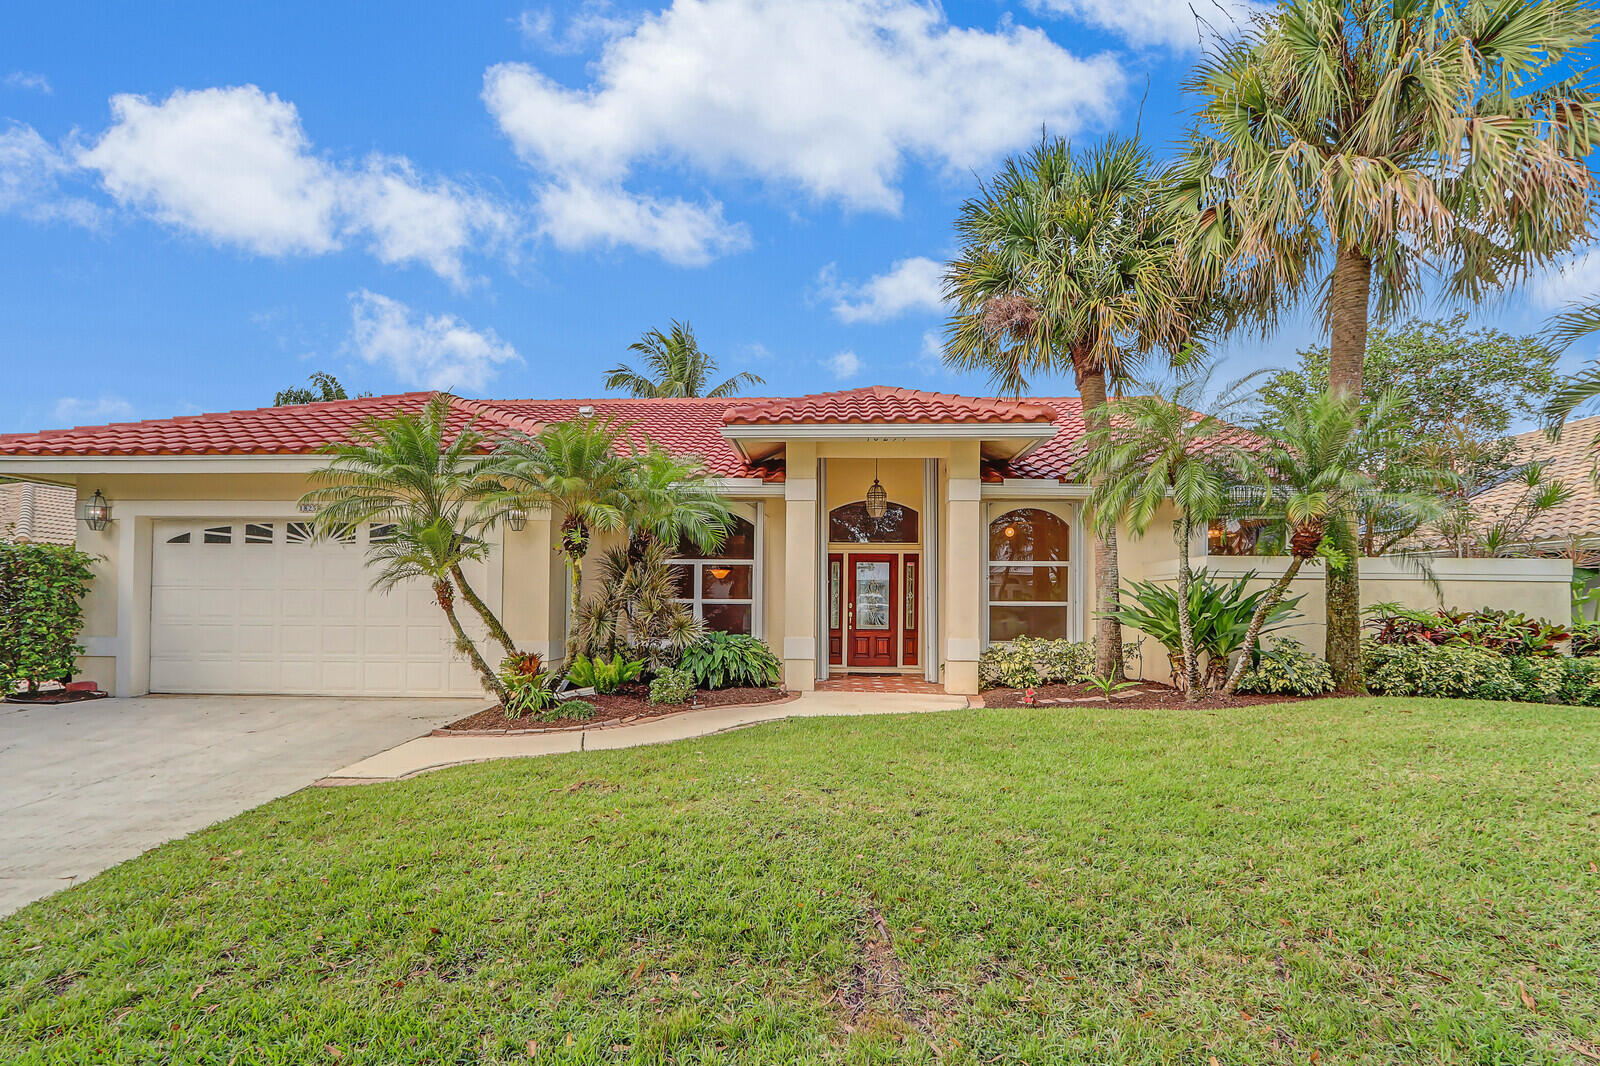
(721, 588)
(1029, 568)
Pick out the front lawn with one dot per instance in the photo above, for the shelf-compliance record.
(1333, 881)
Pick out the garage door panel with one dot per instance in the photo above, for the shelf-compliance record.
(293, 617)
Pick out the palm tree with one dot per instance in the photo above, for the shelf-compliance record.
(670, 500)
(636, 608)
(408, 468)
(1168, 445)
(1353, 147)
(674, 366)
(1069, 262)
(575, 468)
(1313, 455)
(1573, 324)
(433, 551)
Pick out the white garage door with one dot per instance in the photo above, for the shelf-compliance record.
(259, 606)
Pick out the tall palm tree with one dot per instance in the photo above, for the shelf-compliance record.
(577, 469)
(433, 551)
(1355, 147)
(408, 468)
(1573, 324)
(674, 366)
(1313, 465)
(1171, 444)
(1069, 262)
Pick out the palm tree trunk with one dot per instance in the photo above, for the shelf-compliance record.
(1107, 631)
(491, 682)
(1191, 665)
(1272, 599)
(1349, 302)
(496, 630)
(574, 602)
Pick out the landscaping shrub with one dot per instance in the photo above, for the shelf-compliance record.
(1448, 670)
(1031, 661)
(580, 710)
(41, 612)
(672, 686)
(1586, 638)
(1507, 632)
(1287, 669)
(528, 693)
(603, 675)
(731, 660)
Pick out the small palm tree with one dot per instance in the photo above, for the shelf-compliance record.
(1573, 324)
(1353, 148)
(1168, 445)
(671, 500)
(433, 551)
(674, 366)
(1070, 263)
(1312, 462)
(577, 469)
(408, 468)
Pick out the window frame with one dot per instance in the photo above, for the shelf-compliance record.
(993, 511)
(756, 516)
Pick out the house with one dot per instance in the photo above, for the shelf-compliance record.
(37, 514)
(1572, 528)
(210, 579)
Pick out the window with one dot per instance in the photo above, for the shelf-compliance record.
(219, 535)
(1029, 563)
(381, 533)
(721, 588)
(258, 533)
(298, 533)
(181, 538)
(850, 524)
(1245, 536)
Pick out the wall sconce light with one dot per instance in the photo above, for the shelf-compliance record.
(96, 512)
(516, 518)
(720, 572)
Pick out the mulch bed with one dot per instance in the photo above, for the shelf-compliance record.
(1147, 694)
(55, 695)
(629, 703)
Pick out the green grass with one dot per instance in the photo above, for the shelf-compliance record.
(1339, 881)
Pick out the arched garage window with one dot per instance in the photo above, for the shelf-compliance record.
(721, 588)
(1029, 560)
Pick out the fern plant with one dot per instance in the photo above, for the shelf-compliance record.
(602, 675)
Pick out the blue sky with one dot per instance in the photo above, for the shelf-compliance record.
(201, 204)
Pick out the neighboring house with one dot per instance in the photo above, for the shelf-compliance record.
(212, 582)
(1570, 529)
(37, 514)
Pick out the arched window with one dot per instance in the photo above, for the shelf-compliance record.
(850, 524)
(721, 587)
(1029, 558)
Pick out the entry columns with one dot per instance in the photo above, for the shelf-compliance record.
(963, 568)
(800, 566)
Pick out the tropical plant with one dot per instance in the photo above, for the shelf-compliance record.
(1354, 147)
(1573, 324)
(635, 608)
(669, 500)
(731, 660)
(1585, 638)
(1471, 529)
(1312, 455)
(1108, 685)
(1165, 447)
(432, 551)
(1505, 632)
(603, 675)
(416, 470)
(1286, 669)
(324, 387)
(1026, 661)
(1217, 620)
(574, 468)
(42, 587)
(672, 686)
(1069, 261)
(674, 366)
(530, 693)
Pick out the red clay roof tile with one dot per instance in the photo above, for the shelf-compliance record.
(884, 403)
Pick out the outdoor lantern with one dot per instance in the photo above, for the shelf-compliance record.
(877, 499)
(516, 518)
(96, 512)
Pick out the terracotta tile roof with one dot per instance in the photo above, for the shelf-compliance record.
(1569, 458)
(40, 514)
(884, 403)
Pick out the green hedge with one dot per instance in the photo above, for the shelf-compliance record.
(1028, 662)
(41, 612)
(1464, 671)
(1287, 669)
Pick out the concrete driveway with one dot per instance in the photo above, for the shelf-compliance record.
(84, 786)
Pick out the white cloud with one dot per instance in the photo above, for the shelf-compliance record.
(1177, 24)
(832, 97)
(1572, 279)
(843, 365)
(930, 360)
(235, 165)
(913, 284)
(31, 172)
(424, 351)
(78, 411)
(29, 80)
(578, 215)
(593, 22)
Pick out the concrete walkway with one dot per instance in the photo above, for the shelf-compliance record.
(431, 753)
(84, 786)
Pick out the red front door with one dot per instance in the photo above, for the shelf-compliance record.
(872, 616)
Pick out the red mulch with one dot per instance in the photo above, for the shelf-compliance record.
(1145, 695)
(626, 704)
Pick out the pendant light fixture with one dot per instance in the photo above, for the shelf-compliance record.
(877, 499)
